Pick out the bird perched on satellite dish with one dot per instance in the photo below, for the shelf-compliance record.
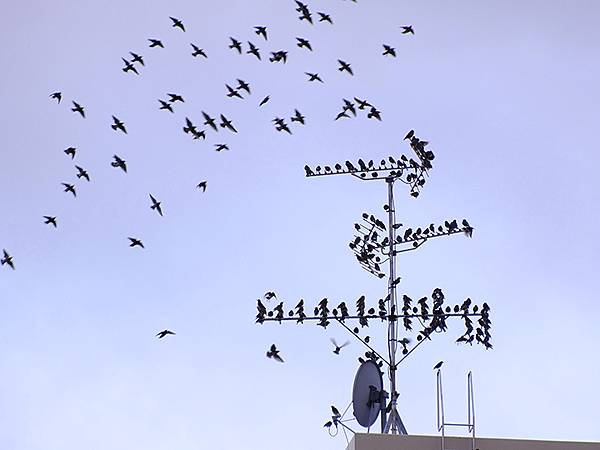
(438, 365)
(163, 333)
(338, 347)
(274, 353)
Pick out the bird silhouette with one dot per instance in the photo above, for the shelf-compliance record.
(221, 147)
(387, 50)
(374, 114)
(133, 242)
(313, 77)
(278, 56)
(338, 347)
(202, 185)
(253, 50)
(209, 121)
(335, 411)
(407, 29)
(177, 23)
(198, 51)
(264, 100)
(410, 134)
(137, 58)
(342, 114)
(226, 123)
(175, 98)
(231, 92)
(235, 44)
(165, 105)
(57, 96)
(243, 85)
(269, 295)
(189, 127)
(71, 152)
(298, 117)
(7, 259)
(156, 205)
(155, 43)
(438, 365)
(129, 67)
(349, 106)
(82, 173)
(163, 333)
(261, 31)
(325, 18)
(274, 353)
(70, 188)
(78, 108)
(50, 220)
(120, 163)
(344, 66)
(118, 125)
(303, 43)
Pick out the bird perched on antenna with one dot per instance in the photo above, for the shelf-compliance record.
(274, 353)
(338, 347)
(438, 365)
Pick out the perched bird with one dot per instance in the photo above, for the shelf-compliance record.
(313, 77)
(156, 205)
(82, 173)
(274, 353)
(133, 242)
(407, 29)
(175, 98)
(438, 365)
(221, 147)
(209, 121)
(155, 43)
(118, 162)
(298, 117)
(264, 100)
(325, 18)
(261, 31)
(129, 67)
(50, 220)
(118, 125)
(336, 413)
(303, 43)
(71, 152)
(226, 123)
(137, 58)
(163, 333)
(374, 114)
(387, 50)
(410, 134)
(338, 347)
(235, 44)
(7, 259)
(253, 50)
(57, 96)
(78, 108)
(177, 23)
(165, 105)
(243, 85)
(232, 92)
(202, 185)
(70, 188)
(269, 295)
(345, 66)
(198, 51)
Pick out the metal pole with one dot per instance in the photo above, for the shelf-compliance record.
(392, 338)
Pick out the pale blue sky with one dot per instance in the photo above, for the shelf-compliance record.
(507, 94)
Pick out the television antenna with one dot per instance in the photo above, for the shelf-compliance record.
(372, 252)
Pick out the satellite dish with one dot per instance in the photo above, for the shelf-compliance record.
(368, 383)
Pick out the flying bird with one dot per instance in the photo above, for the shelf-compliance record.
(243, 85)
(253, 50)
(118, 125)
(438, 365)
(298, 117)
(7, 259)
(164, 333)
(264, 100)
(374, 114)
(362, 104)
(338, 347)
(407, 29)
(387, 50)
(349, 106)
(342, 114)
(199, 135)
(175, 98)
(189, 127)
(303, 43)
(209, 121)
(269, 295)
(165, 105)
(177, 23)
(71, 152)
(221, 147)
(70, 188)
(313, 77)
(133, 242)
(232, 92)
(50, 220)
(129, 67)
(78, 108)
(325, 18)
(235, 44)
(202, 185)
(261, 31)
(57, 96)
(226, 123)
(274, 353)
(118, 162)
(137, 58)
(198, 51)
(82, 173)
(345, 66)
(156, 205)
(155, 43)
(277, 56)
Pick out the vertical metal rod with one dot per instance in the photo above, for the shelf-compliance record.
(392, 338)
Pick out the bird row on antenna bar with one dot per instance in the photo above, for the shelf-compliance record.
(430, 314)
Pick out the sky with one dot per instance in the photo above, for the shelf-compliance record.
(505, 92)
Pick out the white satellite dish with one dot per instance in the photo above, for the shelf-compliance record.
(368, 384)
